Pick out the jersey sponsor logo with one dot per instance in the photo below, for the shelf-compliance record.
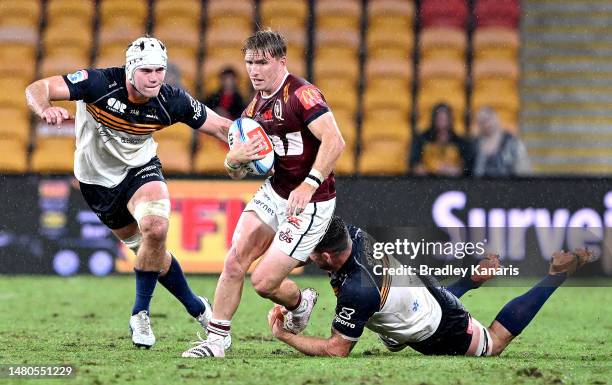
(197, 108)
(285, 236)
(415, 306)
(346, 313)
(133, 140)
(260, 133)
(295, 221)
(148, 168)
(309, 96)
(264, 206)
(113, 84)
(115, 105)
(78, 76)
(278, 110)
(344, 322)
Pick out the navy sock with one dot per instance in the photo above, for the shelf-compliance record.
(145, 285)
(461, 286)
(517, 313)
(176, 284)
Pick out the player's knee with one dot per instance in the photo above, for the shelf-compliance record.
(263, 286)
(233, 267)
(154, 229)
(133, 242)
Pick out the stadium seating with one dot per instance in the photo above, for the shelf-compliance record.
(14, 159)
(452, 13)
(505, 13)
(442, 42)
(210, 155)
(53, 154)
(393, 162)
(496, 42)
(14, 124)
(120, 23)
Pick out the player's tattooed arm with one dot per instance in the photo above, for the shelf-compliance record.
(40, 94)
(215, 125)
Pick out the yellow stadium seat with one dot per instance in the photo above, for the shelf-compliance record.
(210, 155)
(53, 154)
(82, 9)
(443, 42)
(326, 67)
(117, 12)
(188, 68)
(346, 163)
(345, 119)
(442, 68)
(396, 70)
(337, 40)
(179, 38)
(19, 41)
(15, 155)
(179, 132)
(110, 59)
(62, 65)
(384, 157)
(71, 32)
(175, 155)
(116, 40)
(12, 94)
(388, 123)
(503, 98)
(297, 9)
(171, 12)
(75, 53)
(386, 43)
(339, 92)
(383, 95)
(22, 12)
(342, 14)
(223, 43)
(15, 124)
(231, 14)
(491, 69)
(15, 67)
(397, 14)
(496, 43)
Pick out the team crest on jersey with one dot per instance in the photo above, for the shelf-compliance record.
(278, 110)
(78, 76)
(285, 236)
(309, 96)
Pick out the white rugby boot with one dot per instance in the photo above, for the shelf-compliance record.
(205, 348)
(140, 326)
(296, 321)
(205, 318)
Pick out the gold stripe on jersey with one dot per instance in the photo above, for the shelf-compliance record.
(386, 283)
(111, 123)
(118, 120)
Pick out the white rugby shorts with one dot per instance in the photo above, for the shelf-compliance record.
(298, 235)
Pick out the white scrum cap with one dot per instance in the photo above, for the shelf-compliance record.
(144, 51)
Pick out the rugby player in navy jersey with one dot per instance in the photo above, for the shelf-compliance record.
(289, 214)
(115, 161)
(412, 311)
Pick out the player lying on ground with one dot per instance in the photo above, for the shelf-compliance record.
(428, 318)
(118, 109)
(289, 214)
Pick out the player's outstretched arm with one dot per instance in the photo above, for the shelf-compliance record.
(334, 346)
(215, 125)
(40, 94)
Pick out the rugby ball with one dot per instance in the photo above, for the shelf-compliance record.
(242, 129)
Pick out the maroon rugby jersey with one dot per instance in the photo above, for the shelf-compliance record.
(285, 116)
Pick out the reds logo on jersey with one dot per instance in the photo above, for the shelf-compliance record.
(285, 236)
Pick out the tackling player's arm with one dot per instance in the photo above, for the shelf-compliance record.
(40, 94)
(215, 125)
(334, 346)
(326, 130)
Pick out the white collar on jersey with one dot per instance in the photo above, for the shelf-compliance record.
(278, 89)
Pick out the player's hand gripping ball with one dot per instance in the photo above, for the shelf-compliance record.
(275, 320)
(243, 129)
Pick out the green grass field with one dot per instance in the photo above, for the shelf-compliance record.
(83, 321)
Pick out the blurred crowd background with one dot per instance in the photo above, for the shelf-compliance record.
(470, 88)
